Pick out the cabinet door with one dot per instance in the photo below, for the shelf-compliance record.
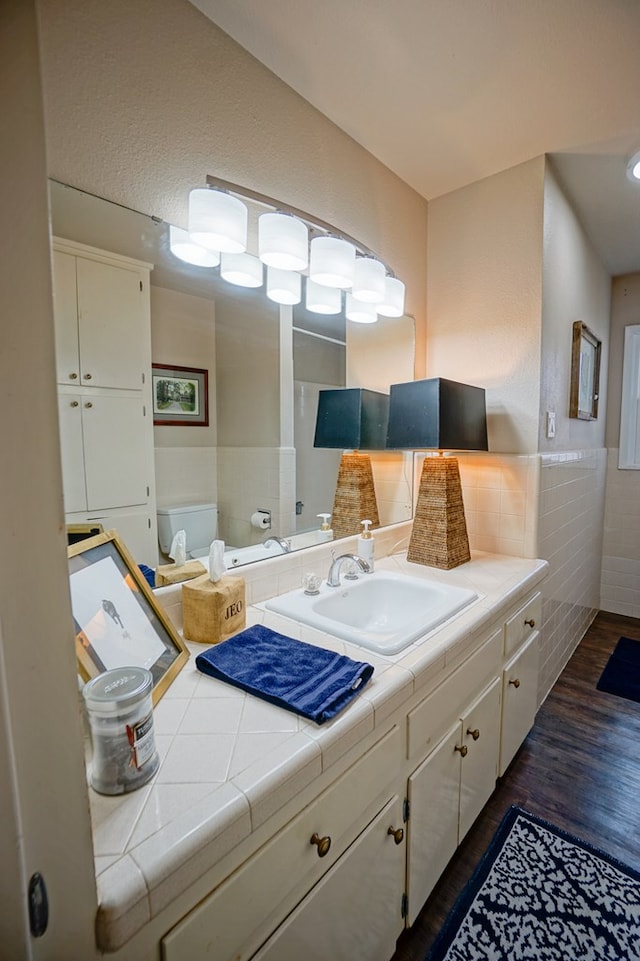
(434, 791)
(111, 325)
(519, 699)
(355, 912)
(115, 450)
(72, 452)
(65, 315)
(479, 769)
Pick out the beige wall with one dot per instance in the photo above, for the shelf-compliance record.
(183, 333)
(576, 286)
(484, 297)
(44, 816)
(143, 100)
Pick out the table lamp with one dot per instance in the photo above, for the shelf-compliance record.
(438, 414)
(352, 419)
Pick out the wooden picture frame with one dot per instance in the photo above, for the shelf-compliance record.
(118, 622)
(180, 396)
(585, 373)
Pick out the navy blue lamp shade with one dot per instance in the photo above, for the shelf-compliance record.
(437, 414)
(352, 418)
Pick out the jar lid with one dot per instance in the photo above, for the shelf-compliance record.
(117, 688)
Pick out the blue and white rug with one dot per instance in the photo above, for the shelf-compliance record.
(540, 894)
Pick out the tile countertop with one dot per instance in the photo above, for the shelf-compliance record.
(230, 761)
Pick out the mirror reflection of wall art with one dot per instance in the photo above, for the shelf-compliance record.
(118, 622)
(585, 373)
(180, 396)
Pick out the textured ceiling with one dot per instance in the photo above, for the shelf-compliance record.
(446, 92)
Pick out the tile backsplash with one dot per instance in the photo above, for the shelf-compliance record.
(572, 488)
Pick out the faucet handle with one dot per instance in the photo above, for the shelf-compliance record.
(311, 583)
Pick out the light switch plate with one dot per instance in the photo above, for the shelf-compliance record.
(551, 424)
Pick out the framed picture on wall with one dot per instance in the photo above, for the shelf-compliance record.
(585, 373)
(117, 620)
(180, 396)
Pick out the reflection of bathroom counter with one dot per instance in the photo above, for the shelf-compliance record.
(239, 556)
(234, 769)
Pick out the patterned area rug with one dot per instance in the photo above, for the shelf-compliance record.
(540, 894)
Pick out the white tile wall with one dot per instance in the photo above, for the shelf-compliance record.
(620, 587)
(549, 506)
(263, 477)
(571, 516)
(500, 493)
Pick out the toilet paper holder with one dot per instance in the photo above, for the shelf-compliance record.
(261, 519)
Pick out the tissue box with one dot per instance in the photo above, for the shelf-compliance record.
(212, 611)
(174, 573)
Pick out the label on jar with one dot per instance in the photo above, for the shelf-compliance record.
(141, 739)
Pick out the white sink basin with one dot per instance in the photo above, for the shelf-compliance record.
(382, 611)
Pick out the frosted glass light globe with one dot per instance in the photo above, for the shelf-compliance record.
(243, 270)
(283, 241)
(392, 305)
(284, 286)
(217, 221)
(322, 300)
(182, 246)
(332, 262)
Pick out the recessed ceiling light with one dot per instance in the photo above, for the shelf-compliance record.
(633, 168)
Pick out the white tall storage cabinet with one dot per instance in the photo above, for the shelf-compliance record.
(103, 358)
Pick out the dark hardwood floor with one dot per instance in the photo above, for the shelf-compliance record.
(579, 768)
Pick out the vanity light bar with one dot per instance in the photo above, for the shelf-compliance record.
(333, 260)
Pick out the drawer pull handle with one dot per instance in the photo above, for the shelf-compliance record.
(475, 734)
(75, 403)
(530, 622)
(89, 404)
(323, 844)
(515, 682)
(73, 376)
(462, 749)
(87, 376)
(397, 834)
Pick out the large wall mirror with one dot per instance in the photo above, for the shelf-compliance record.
(266, 364)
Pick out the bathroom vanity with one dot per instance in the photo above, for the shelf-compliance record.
(265, 836)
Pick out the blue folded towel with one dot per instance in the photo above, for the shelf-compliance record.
(299, 677)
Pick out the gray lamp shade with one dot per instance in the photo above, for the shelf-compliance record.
(437, 414)
(352, 418)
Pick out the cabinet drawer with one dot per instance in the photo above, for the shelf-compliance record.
(522, 624)
(519, 699)
(223, 925)
(428, 722)
(344, 919)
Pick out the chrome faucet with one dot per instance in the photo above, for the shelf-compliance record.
(333, 579)
(280, 541)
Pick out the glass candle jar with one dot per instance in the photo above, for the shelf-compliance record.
(120, 714)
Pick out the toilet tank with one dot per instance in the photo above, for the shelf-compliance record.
(200, 521)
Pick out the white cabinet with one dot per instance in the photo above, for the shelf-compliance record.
(241, 914)
(357, 862)
(343, 918)
(519, 700)
(447, 792)
(103, 453)
(100, 319)
(520, 677)
(103, 356)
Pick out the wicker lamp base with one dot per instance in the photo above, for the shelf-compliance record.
(355, 496)
(439, 535)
